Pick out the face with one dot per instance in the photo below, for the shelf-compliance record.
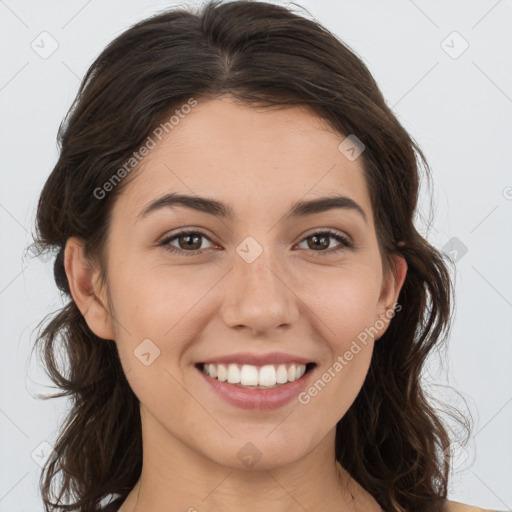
(266, 286)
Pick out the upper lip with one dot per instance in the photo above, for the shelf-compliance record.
(257, 359)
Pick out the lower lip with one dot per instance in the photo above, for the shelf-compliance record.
(260, 399)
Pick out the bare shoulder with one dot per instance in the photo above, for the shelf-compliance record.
(455, 506)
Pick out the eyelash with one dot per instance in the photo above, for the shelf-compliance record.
(346, 244)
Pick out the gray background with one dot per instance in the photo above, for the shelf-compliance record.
(455, 101)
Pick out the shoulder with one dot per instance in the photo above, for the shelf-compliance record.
(455, 506)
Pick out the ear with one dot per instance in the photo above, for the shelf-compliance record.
(85, 290)
(390, 290)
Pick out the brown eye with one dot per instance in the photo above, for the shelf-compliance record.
(319, 242)
(189, 242)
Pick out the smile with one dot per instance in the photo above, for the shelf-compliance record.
(280, 383)
(255, 377)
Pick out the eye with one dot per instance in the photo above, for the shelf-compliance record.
(186, 240)
(321, 240)
(189, 242)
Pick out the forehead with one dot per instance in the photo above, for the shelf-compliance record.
(251, 157)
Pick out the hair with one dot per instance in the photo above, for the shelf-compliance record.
(392, 440)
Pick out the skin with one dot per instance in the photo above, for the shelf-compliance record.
(289, 299)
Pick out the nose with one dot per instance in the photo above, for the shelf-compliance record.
(258, 296)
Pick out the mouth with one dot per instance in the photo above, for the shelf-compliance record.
(252, 377)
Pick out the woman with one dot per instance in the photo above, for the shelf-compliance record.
(250, 304)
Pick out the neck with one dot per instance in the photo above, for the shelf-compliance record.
(175, 477)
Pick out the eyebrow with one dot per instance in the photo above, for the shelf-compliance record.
(219, 209)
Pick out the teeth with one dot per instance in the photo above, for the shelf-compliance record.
(248, 375)
(255, 376)
(233, 373)
(222, 372)
(267, 376)
(281, 374)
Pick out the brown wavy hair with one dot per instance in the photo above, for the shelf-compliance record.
(392, 440)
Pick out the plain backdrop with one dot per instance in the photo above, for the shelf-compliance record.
(444, 68)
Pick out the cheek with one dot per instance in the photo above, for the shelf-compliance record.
(158, 311)
(346, 303)
(347, 309)
(340, 378)
(151, 300)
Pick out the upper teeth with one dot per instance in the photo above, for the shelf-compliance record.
(249, 375)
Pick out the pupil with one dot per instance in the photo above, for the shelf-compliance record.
(188, 237)
(323, 238)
